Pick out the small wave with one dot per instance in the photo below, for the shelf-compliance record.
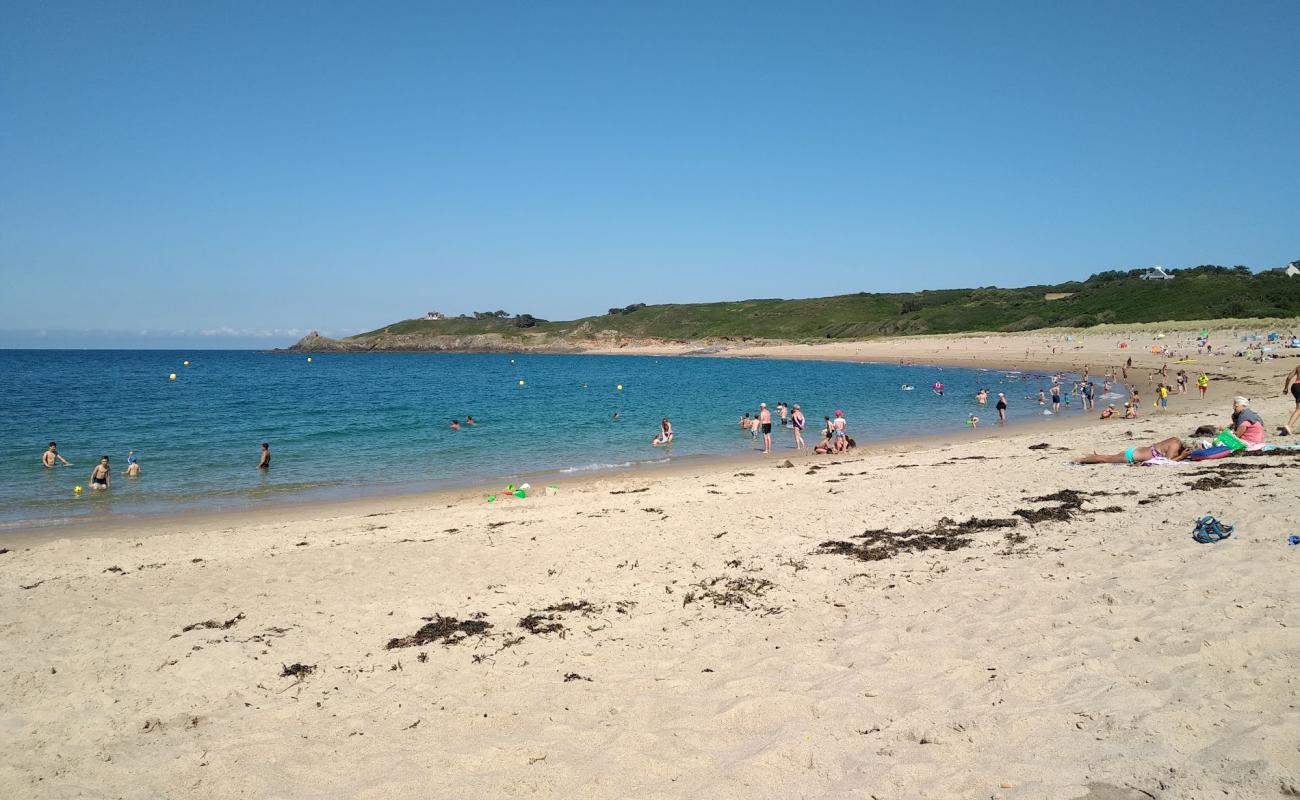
(596, 467)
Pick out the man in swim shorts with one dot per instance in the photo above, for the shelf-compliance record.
(101, 475)
(765, 419)
(1165, 450)
(265, 461)
(1291, 383)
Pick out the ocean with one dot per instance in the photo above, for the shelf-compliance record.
(351, 424)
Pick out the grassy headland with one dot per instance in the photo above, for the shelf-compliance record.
(1112, 297)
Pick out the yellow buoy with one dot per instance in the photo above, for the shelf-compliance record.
(620, 387)
(185, 363)
(308, 359)
(521, 383)
(171, 377)
(76, 490)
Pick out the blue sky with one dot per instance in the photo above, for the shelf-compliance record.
(240, 172)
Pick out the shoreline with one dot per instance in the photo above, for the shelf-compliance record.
(916, 351)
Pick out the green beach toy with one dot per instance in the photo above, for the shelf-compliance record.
(1230, 441)
(520, 494)
(491, 498)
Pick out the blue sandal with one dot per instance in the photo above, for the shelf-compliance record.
(1210, 530)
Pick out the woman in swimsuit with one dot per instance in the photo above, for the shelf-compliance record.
(101, 474)
(1292, 384)
(665, 436)
(797, 420)
(1171, 449)
(1002, 408)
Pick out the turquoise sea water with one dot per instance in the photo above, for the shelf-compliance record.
(378, 422)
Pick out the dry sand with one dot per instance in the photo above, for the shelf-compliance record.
(1096, 653)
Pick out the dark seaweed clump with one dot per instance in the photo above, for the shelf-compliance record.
(947, 535)
(212, 623)
(298, 671)
(447, 630)
(551, 618)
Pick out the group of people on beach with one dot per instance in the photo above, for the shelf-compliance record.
(834, 439)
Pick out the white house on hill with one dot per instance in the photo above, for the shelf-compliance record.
(433, 315)
(1157, 274)
(1290, 270)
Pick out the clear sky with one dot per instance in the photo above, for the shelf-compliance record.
(239, 172)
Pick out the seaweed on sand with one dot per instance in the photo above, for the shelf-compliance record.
(447, 630)
(212, 623)
(551, 618)
(947, 534)
(744, 592)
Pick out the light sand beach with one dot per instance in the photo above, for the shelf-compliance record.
(1028, 628)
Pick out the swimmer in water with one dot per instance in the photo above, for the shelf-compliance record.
(469, 420)
(455, 424)
(51, 457)
(101, 476)
(265, 461)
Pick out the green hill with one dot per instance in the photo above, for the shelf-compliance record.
(1113, 297)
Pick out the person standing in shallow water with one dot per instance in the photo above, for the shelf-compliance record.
(265, 462)
(1002, 408)
(101, 475)
(797, 421)
(51, 457)
(765, 419)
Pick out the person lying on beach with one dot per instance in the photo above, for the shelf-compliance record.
(51, 457)
(101, 475)
(1108, 411)
(1163, 451)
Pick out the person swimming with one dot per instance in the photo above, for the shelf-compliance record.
(469, 420)
(455, 424)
